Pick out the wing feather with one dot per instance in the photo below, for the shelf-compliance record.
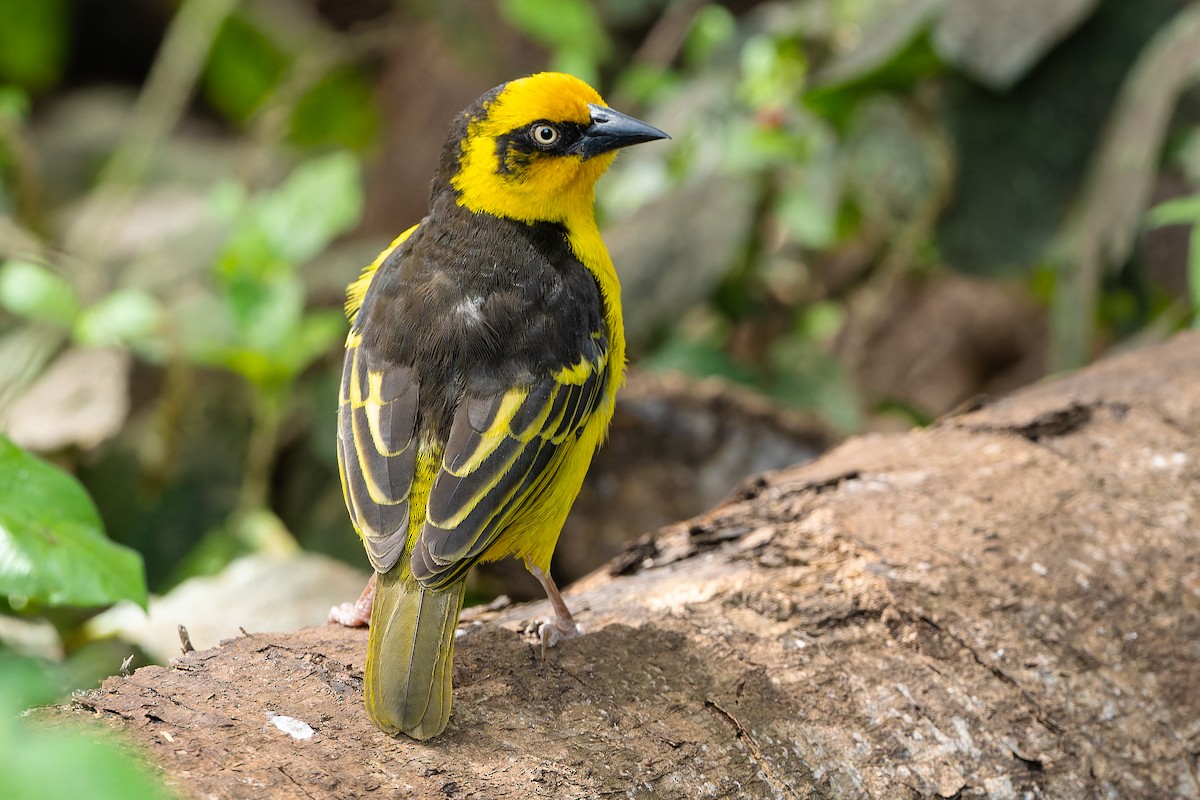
(503, 449)
(377, 416)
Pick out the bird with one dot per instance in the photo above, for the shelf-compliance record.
(485, 351)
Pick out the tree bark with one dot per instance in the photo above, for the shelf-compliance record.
(1005, 604)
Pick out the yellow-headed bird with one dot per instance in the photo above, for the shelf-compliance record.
(484, 356)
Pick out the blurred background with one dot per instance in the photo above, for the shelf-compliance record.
(871, 212)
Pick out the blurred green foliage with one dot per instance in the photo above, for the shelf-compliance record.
(1184, 211)
(243, 67)
(570, 28)
(33, 42)
(34, 292)
(56, 563)
(242, 308)
(250, 66)
(123, 317)
(54, 551)
(38, 763)
(256, 324)
(339, 111)
(911, 140)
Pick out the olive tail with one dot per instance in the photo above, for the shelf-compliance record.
(410, 651)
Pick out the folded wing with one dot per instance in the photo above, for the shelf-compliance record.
(377, 417)
(503, 451)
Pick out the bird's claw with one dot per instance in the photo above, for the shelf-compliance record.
(358, 613)
(552, 631)
(350, 615)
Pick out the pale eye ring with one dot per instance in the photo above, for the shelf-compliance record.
(544, 135)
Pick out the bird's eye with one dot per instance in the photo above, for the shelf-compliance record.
(544, 135)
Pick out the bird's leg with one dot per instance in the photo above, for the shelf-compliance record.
(358, 613)
(563, 626)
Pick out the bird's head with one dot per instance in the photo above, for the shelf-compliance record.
(532, 149)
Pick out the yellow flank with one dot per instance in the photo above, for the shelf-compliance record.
(589, 248)
(540, 518)
(429, 463)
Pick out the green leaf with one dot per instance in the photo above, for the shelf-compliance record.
(14, 105)
(774, 70)
(244, 66)
(33, 768)
(277, 231)
(266, 336)
(30, 290)
(318, 332)
(806, 205)
(53, 549)
(340, 111)
(1194, 273)
(713, 26)
(24, 683)
(808, 377)
(555, 22)
(821, 321)
(1180, 211)
(700, 357)
(321, 199)
(252, 330)
(33, 41)
(60, 763)
(571, 27)
(838, 90)
(267, 313)
(124, 317)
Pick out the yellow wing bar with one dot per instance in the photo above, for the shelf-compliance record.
(502, 451)
(377, 453)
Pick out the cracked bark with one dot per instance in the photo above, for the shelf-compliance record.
(1006, 604)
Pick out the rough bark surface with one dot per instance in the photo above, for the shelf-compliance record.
(1006, 604)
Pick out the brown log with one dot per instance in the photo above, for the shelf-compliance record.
(1005, 604)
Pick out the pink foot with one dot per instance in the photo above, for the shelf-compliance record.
(553, 631)
(358, 613)
(563, 626)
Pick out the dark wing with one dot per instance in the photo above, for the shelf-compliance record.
(377, 451)
(503, 450)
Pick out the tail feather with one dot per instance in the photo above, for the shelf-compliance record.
(410, 651)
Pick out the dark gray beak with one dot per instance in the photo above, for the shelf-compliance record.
(611, 130)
